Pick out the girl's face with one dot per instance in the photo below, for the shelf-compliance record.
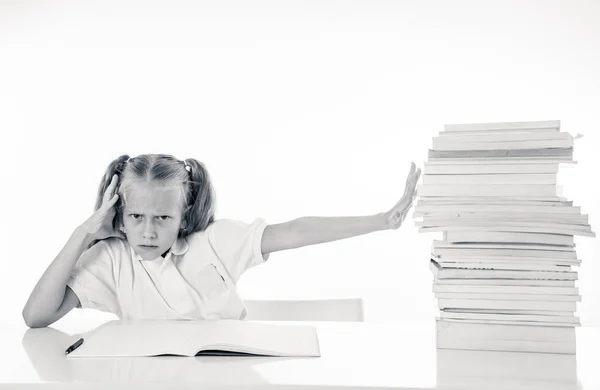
(152, 218)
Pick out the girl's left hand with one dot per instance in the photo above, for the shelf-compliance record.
(395, 216)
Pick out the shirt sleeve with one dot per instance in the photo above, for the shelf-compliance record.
(92, 279)
(237, 244)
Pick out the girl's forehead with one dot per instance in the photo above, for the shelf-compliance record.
(149, 195)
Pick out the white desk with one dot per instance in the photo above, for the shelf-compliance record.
(353, 355)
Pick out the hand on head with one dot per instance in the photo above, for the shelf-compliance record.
(100, 225)
(396, 215)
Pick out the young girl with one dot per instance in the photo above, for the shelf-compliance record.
(153, 249)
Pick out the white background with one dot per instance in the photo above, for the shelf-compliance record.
(297, 108)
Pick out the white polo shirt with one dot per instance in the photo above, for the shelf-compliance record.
(195, 280)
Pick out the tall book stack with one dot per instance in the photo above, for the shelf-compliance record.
(503, 272)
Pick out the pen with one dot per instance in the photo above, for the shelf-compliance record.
(74, 346)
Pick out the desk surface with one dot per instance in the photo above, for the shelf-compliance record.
(401, 355)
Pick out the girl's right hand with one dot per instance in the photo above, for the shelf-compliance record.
(100, 225)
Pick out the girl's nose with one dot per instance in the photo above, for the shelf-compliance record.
(149, 230)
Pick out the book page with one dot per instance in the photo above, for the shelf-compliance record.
(120, 338)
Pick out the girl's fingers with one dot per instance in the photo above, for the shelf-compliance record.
(409, 195)
(409, 202)
(416, 175)
(108, 194)
(410, 183)
(107, 191)
(113, 183)
(111, 202)
(414, 181)
(410, 190)
(410, 173)
(413, 177)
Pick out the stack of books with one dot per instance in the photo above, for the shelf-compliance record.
(503, 272)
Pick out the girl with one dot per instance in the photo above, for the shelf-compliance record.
(153, 249)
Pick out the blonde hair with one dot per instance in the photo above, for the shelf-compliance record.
(189, 176)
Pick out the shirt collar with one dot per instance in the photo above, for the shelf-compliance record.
(179, 248)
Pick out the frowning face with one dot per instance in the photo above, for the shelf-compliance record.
(152, 218)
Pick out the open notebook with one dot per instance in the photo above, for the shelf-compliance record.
(134, 338)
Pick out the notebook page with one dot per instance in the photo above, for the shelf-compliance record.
(169, 337)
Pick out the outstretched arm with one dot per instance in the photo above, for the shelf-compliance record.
(316, 230)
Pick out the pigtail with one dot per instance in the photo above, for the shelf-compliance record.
(115, 167)
(201, 203)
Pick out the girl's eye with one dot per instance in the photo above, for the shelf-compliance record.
(164, 217)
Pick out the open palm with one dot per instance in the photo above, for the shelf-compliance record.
(395, 216)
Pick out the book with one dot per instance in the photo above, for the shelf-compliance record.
(505, 263)
(133, 338)
(515, 260)
(571, 219)
(491, 201)
(454, 273)
(501, 245)
(500, 136)
(509, 297)
(431, 168)
(494, 205)
(475, 212)
(447, 303)
(502, 263)
(508, 322)
(509, 237)
(446, 144)
(498, 200)
(492, 261)
(458, 179)
(447, 342)
(503, 282)
(509, 227)
(503, 266)
(550, 152)
(505, 259)
(500, 370)
(487, 289)
(567, 159)
(505, 332)
(554, 313)
(523, 161)
(504, 222)
(480, 252)
(551, 125)
(495, 190)
(510, 317)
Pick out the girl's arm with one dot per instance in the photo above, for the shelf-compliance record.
(316, 230)
(50, 298)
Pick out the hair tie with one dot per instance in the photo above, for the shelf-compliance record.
(188, 168)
